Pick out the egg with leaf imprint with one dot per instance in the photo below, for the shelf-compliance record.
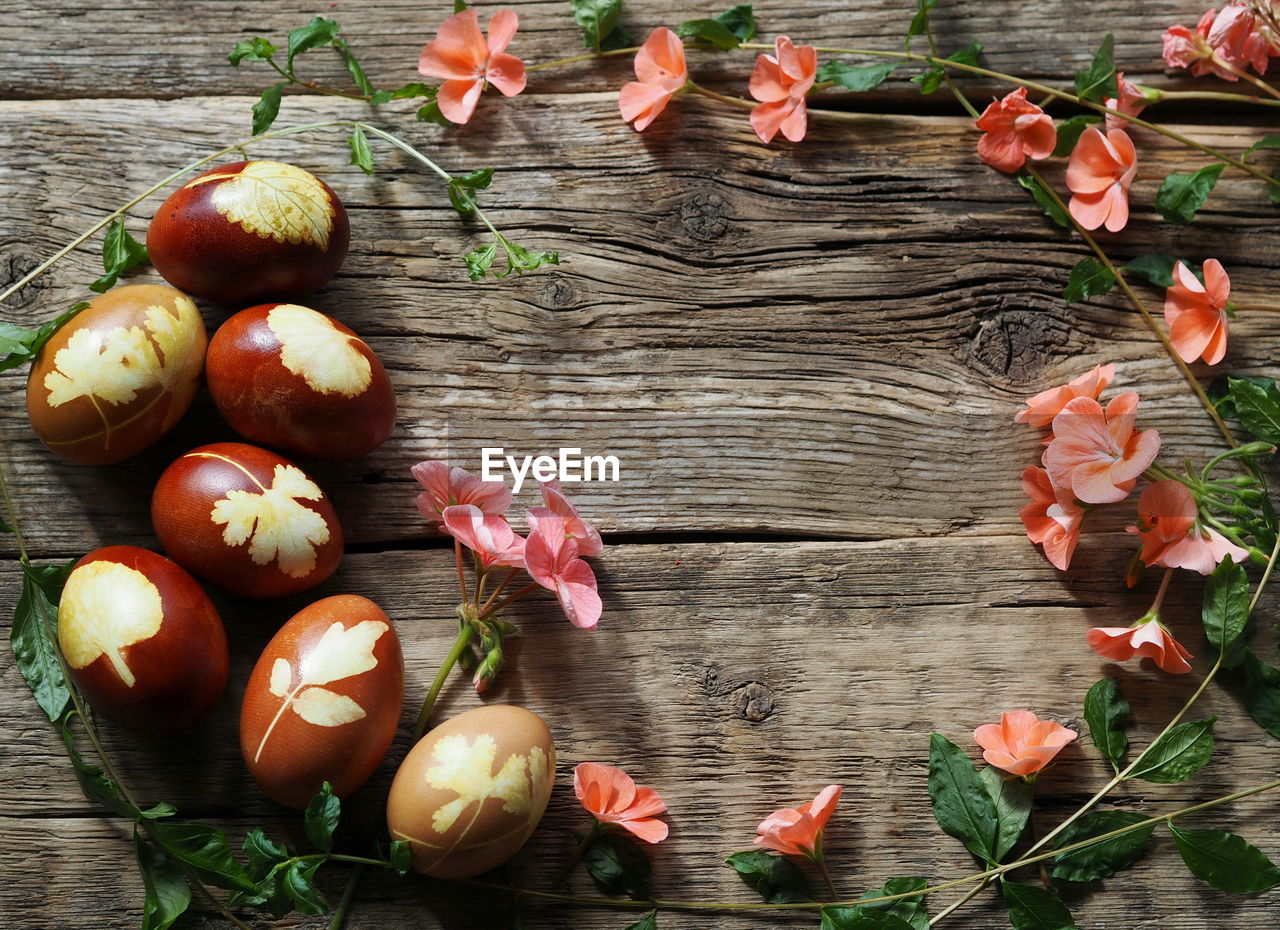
(289, 377)
(323, 701)
(118, 376)
(246, 519)
(471, 792)
(142, 640)
(247, 231)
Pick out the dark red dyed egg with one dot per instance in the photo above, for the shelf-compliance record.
(246, 519)
(142, 640)
(248, 231)
(294, 379)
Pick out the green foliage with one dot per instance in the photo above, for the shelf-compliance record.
(712, 31)
(1226, 861)
(267, 108)
(120, 253)
(361, 155)
(856, 78)
(1262, 693)
(777, 879)
(1044, 199)
(1089, 278)
(1101, 860)
(740, 20)
(462, 189)
(1266, 142)
(299, 884)
(961, 803)
(319, 31)
(431, 113)
(407, 92)
(861, 918)
(95, 784)
(353, 66)
(931, 79)
(1154, 267)
(1099, 81)
(263, 853)
(1105, 711)
(1034, 907)
(205, 851)
(322, 817)
(35, 622)
(519, 259)
(599, 20)
(1177, 755)
(911, 911)
(1012, 799)
(1070, 130)
(618, 866)
(1226, 605)
(21, 345)
(648, 922)
(255, 49)
(1257, 407)
(919, 22)
(1181, 195)
(166, 894)
(401, 856)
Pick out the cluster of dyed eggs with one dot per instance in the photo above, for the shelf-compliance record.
(142, 640)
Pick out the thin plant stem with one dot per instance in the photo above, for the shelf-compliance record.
(738, 102)
(340, 913)
(821, 862)
(462, 577)
(1257, 308)
(363, 98)
(1245, 76)
(959, 902)
(502, 586)
(946, 75)
(527, 589)
(579, 851)
(589, 56)
(1164, 586)
(459, 645)
(1213, 95)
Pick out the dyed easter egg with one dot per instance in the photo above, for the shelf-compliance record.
(472, 790)
(244, 232)
(142, 640)
(118, 376)
(246, 519)
(324, 700)
(289, 377)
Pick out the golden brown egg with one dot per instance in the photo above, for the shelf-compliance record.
(118, 376)
(324, 700)
(470, 793)
(244, 232)
(246, 519)
(294, 379)
(142, 640)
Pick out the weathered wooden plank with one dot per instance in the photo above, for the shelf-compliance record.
(734, 678)
(808, 340)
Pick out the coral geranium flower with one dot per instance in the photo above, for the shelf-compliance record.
(660, 73)
(575, 527)
(1166, 510)
(1197, 313)
(1098, 175)
(1046, 405)
(1021, 743)
(460, 55)
(1013, 129)
(1097, 455)
(551, 558)
(610, 795)
(1148, 637)
(797, 831)
(780, 81)
(447, 486)
(1052, 518)
(488, 536)
(1131, 102)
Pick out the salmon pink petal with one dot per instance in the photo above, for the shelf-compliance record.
(1039, 137)
(1042, 408)
(579, 598)
(795, 125)
(1094, 163)
(648, 829)
(502, 27)
(641, 103)
(1090, 210)
(488, 536)
(646, 803)
(1117, 200)
(1192, 331)
(1184, 278)
(823, 806)
(767, 118)
(1002, 151)
(1111, 642)
(458, 99)
(1217, 284)
(445, 486)
(1021, 743)
(575, 527)
(766, 84)
(458, 50)
(661, 60)
(1216, 350)
(506, 72)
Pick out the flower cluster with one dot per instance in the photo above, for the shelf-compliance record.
(1225, 43)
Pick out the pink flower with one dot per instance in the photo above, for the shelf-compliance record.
(1147, 637)
(780, 81)
(460, 55)
(447, 486)
(610, 795)
(1098, 455)
(1013, 129)
(1235, 38)
(1131, 102)
(660, 72)
(1098, 175)
(1046, 405)
(1166, 510)
(579, 530)
(1021, 743)
(552, 560)
(797, 831)
(1052, 518)
(1185, 49)
(488, 536)
(1197, 313)
(1200, 550)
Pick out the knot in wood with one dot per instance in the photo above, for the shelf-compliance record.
(16, 260)
(704, 216)
(753, 702)
(558, 293)
(1017, 344)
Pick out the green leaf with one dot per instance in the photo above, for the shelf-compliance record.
(459, 6)
(648, 922)
(431, 113)
(353, 66)
(1100, 80)
(598, 19)
(1257, 407)
(919, 22)
(1226, 605)
(255, 49)
(22, 345)
(1154, 267)
(322, 817)
(205, 851)
(408, 92)
(1045, 200)
(1226, 861)
(120, 253)
(401, 856)
(1089, 278)
(159, 812)
(777, 879)
(932, 79)
(35, 621)
(520, 259)
(1012, 800)
(1181, 195)
(1069, 131)
(1101, 860)
(961, 804)
(97, 787)
(267, 108)
(462, 189)
(861, 918)
(480, 260)
(166, 894)
(1262, 693)
(711, 31)
(319, 31)
(910, 910)
(618, 866)
(856, 78)
(1105, 711)
(263, 853)
(740, 20)
(299, 883)
(1266, 142)
(1178, 754)
(361, 155)
(1034, 907)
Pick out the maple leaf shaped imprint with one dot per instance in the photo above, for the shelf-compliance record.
(312, 348)
(467, 770)
(275, 201)
(339, 654)
(277, 526)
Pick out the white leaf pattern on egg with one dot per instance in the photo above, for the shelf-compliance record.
(281, 677)
(326, 708)
(280, 528)
(314, 350)
(105, 607)
(275, 201)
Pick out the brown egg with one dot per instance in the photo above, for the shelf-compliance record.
(470, 793)
(142, 640)
(246, 519)
(244, 232)
(289, 377)
(324, 700)
(118, 376)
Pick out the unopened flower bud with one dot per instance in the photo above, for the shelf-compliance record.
(488, 670)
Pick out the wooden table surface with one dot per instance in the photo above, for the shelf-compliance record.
(806, 359)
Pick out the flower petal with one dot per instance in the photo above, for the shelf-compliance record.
(458, 99)
(502, 27)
